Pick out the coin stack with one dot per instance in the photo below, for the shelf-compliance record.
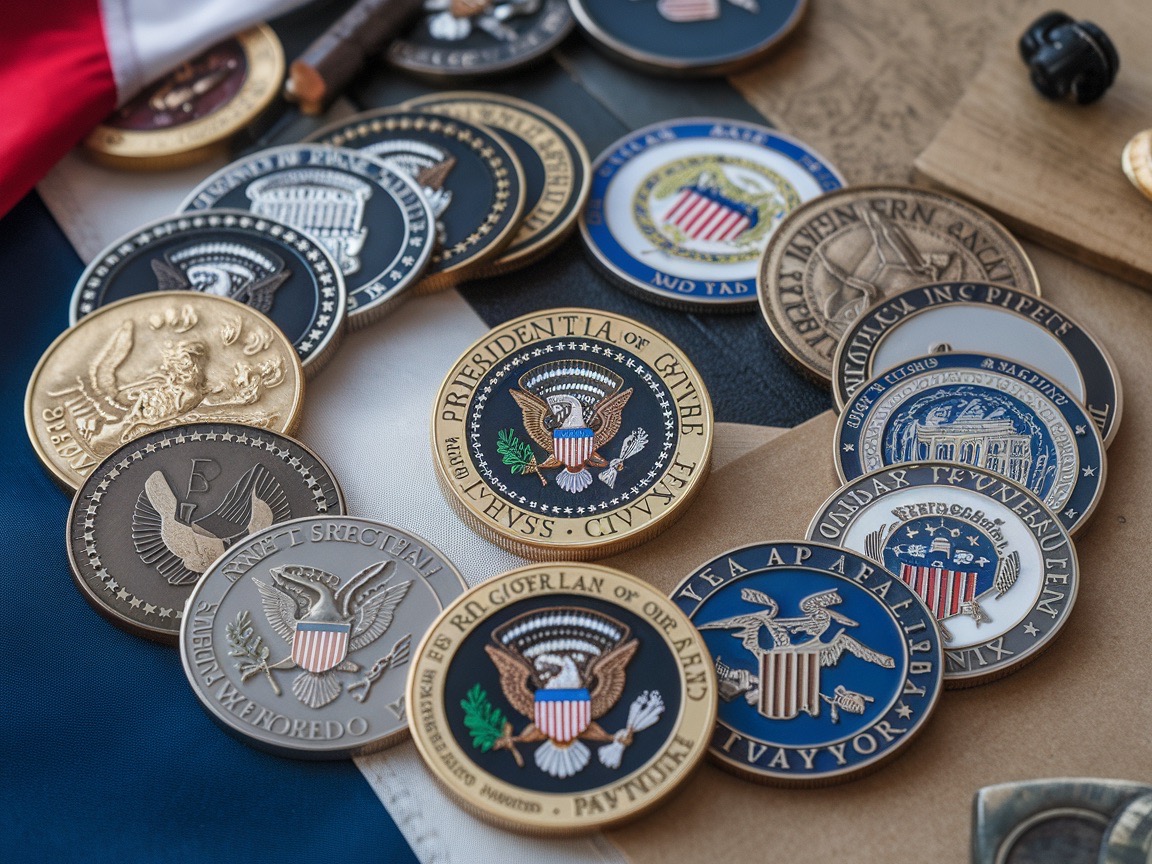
(974, 418)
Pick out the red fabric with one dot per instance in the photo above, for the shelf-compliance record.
(56, 84)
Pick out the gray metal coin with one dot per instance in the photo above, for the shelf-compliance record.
(297, 640)
(1129, 837)
(261, 262)
(374, 220)
(155, 514)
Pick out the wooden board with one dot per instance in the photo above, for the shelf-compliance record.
(1051, 170)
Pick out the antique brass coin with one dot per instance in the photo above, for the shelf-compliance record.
(557, 170)
(562, 698)
(151, 362)
(1137, 161)
(190, 114)
(571, 434)
(837, 255)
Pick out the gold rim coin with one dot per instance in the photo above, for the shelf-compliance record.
(838, 254)
(557, 168)
(189, 115)
(562, 698)
(571, 434)
(151, 362)
(1137, 161)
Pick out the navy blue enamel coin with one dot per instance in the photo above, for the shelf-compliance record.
(981, 317)
(980, 410)
(469, 174)
(266, 264)
(827, 665)
(374, 220)
(993, 563)
(680, 212)
(456, 41)
(688, 37)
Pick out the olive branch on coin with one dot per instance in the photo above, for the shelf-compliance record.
(517, 454)
(246, 642)
(487, 724)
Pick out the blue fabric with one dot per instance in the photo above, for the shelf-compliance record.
(105, 753)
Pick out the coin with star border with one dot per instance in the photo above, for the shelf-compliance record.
(680, 211)
(834, 257)
(276, 269)
(561, 698)
(980, 317)
(455, 41)
(556, 168)
(469, 174)
(827, 666)
(375, 221)
(980, 410)
(571, 434)
(995, 566)
(155, 515)
(298, 640)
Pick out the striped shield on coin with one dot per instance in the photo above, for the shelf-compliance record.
(945, 591)
(702, 213)
(318, 646)
(573, 446)
(563, 714)
(790, 682)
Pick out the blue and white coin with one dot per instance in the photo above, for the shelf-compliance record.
(992, 562)
(979, 410)
(680, 212)
(375, 221)
(827, 664)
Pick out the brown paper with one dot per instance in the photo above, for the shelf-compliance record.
(1083, 708)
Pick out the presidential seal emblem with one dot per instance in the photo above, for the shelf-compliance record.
(298, 638)
(266, 264)
(979, 410)
(681, 211)
(375, 221)
(978, 317)
(571, 434)
(987, 556)
(157, 512)
(561, 698)
(827, 665)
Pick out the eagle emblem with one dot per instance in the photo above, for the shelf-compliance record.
(564, 669)
(248, 275)
(322, 621)
(572, 409)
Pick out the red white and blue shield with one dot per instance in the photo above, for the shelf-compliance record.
(563, 714)
(573, 447)
(945, 591)
(705, 214)
(790, 683)
(318, 646)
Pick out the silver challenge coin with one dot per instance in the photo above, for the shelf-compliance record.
(261, 262)
(153, 516)
(297, 641)
(993, 564)
(374, 220)
(980, 317)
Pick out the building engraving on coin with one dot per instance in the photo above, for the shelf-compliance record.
(299, 637)
(427, 165)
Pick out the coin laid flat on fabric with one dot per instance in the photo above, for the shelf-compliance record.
(273, 267)
(838, 255)
(155, 515)
(298, 639)
(151, 362)
(374, 220)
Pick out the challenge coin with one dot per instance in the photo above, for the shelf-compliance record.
(561, 698)
(976, 317)
(556, 168)
(190, 114)
(154, 515)
(1136, 160)
(373, 220)
(836, 256)
(469, 174)
(688, 37)
(827, 666)
(274, 268)
(473, 38)
(571, 434)
(151, 362)
(297, 640)
(992, 562)
(681, 211)
(979, 410)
